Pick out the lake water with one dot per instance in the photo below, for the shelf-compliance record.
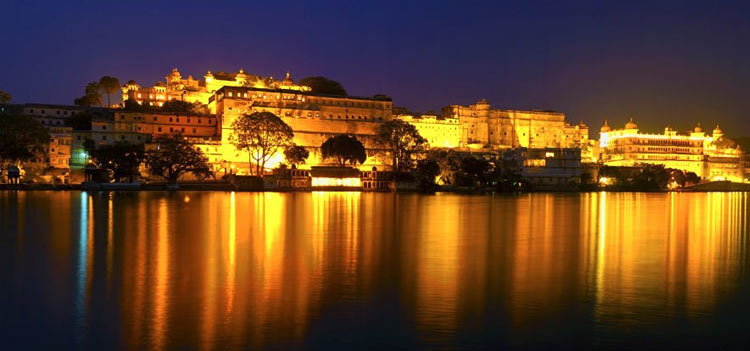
(336, 270)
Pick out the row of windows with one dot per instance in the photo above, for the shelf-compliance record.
(172, 119)
(334, 102)
(57, 112)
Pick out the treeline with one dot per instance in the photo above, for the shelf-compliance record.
(168, 157)
(645, 177)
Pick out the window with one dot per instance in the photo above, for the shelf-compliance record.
(159, 129)
(194, 131)
(104, 137)
(154, 118)
(104, 127)
(170, 119)
(178, 119)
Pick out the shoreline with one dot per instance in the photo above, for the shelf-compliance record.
(723, 186)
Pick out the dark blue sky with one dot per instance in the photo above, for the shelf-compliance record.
(663, 62)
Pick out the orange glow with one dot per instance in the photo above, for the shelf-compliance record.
(325, 181)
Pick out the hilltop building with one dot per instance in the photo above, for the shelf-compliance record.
(485, 127)
(195, 90)
(710, 156)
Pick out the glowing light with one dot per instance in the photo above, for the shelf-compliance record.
(325, 181)
(605, 181)
(186, 199)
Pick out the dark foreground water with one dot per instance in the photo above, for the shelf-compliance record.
(214, 270)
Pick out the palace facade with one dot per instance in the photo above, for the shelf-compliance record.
(710, 156)
(440, 131)
(313, 117)
(483, 127)
(200, 91)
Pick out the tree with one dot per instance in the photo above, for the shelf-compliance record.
(296, 155)
(21, 138)
(427, 171)
(449, 163)
(173, 156)
(262, 135)
(475, 171)
(402, 141)
(323, 85)
(109, 85)
(4, 97)
(91, 97)
(121, 159)
(691, 178)
(344, 148)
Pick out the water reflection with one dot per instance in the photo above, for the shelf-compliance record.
(276, 270)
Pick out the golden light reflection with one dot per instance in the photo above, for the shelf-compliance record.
(436, 227)
(665, 248)
(161, 278)
(260, 269)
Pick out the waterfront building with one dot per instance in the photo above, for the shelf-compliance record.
(313, 118)
(139, 127)
(710, 156)
(439, 131)
(545, 168)
(143, 127)
(485, 127)
(195, 90)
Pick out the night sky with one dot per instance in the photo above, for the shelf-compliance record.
(662, 62)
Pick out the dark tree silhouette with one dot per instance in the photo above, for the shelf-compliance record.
(344, 148)
(323, 85)
(91, 97)
(172, 156)
(21, 138)
(402, 141)
(121, 159)
(296, 155)
(109, 85)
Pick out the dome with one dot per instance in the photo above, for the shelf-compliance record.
(631, 124)
(718, 131)
(605, 127)
(698, 128)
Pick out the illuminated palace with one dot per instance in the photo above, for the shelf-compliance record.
(194, 90)
(711, 157)
(480, 127)
(313, 117)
